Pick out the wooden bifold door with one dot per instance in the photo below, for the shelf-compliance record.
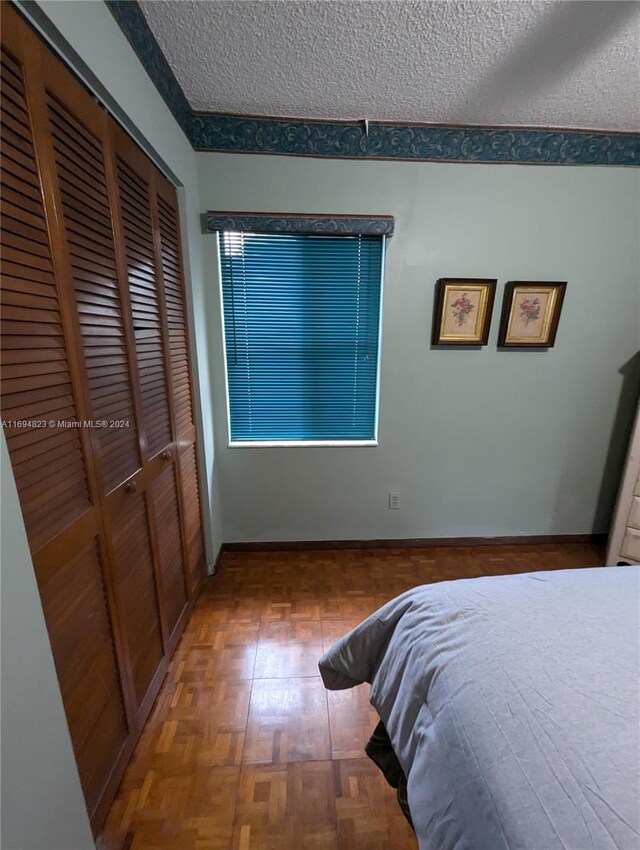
(96, 400)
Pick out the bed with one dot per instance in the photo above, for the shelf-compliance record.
(512, 704)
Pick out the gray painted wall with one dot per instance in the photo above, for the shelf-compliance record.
(42, 803)
(476, 442)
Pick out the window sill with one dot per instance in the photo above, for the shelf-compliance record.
(300, 444)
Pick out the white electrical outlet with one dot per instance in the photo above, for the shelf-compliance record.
(394, 501)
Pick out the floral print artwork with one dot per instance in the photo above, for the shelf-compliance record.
(528, 313)
(461, 309)
(529, 310)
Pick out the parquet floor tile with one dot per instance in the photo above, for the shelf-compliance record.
(369, 817)
(333, 630)
(351, 721)
(201, 802)
(228, 652)
(288, 721)
(287, 649)
(244, 749)
(353, 605)
(205, 725)
(290, 806)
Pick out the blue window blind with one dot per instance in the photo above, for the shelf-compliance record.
(301, 324)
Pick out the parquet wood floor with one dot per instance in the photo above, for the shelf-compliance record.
(244, 748)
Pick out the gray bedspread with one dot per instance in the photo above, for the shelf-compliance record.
(513, 705)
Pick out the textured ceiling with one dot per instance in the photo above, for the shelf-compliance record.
(542, 64)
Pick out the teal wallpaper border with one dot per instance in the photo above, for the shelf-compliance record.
(384, 140)
(414, 142)
(133, 24)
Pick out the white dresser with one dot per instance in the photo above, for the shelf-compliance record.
(624, 538)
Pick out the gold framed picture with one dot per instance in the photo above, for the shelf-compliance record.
(462, 310)
(530, 314)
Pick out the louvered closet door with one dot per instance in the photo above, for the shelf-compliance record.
(89, 336)
(181, 392)
(42, 404)
(136, 177)
(83, 171)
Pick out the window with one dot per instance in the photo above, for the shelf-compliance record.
(301, 329)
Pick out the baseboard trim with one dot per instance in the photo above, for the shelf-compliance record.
(411, 543)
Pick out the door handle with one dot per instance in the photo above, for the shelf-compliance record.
(131, 487)
(166, 455)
